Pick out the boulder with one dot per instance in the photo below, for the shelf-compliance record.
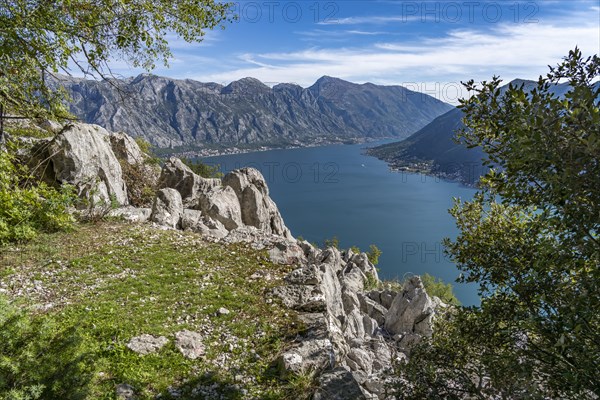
(140, 173)
(221, 204)
(362, 358)
(308, 275)
(257, 208)
(123, 391)
(338, 384)
(372, 308)
(286, 252)
(167, 209)
(382, 354)
(131, 214)
(409, 308)
(126, 148)
(192, 220)
(176, 175)
(312, 355)
(81, 155)
(371, 326)
(308, 298)
(195, 221)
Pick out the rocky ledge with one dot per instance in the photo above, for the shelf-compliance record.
(351, 337)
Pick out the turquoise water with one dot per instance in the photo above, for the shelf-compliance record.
(337, 191)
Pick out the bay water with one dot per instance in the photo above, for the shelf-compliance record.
(338, 191)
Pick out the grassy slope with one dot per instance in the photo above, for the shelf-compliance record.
(113, 281)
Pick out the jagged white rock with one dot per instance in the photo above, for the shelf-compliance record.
(81, 155)
(176, 175)
(409, 308)
(167, 209)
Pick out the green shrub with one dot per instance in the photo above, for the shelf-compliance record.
(436, 287)
(144, 145)
(333, 242)
(141, 183)
(355, 249)
(28, 131)
(371, 282)
(147, 149)
(38, 359)
(28, 207)
(204, 170)
(373, 254)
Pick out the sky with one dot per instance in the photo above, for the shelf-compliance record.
(426, 46)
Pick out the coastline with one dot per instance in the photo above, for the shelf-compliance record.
(216, 152)
(428, 168)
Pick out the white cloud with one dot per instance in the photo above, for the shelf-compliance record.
(428, 64)
(320, 33)
(377, 20)
(510, 51)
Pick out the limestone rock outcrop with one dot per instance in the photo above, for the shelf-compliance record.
(215, 207)
(81, 155)
(167, 209)
(257, 208)
(353, 333)
(175, 174)
(412, 311)
(347, 340)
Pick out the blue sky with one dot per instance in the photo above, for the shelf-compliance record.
(424, 45)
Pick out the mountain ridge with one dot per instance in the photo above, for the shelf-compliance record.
(183, 112)
(432, 149)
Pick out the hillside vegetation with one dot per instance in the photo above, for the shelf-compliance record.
(88, 293)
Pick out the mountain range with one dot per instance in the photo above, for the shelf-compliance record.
(433, 149)
(173, 113)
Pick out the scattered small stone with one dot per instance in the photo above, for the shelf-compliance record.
(189, 344)
(223, 311)
(256, 275)
(147, 344)
(174, 392)
(125, 392)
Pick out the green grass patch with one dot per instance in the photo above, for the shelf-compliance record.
(109, 282)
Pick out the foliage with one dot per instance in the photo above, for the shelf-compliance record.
(373, 254)
(40, 38)
(371, 282)
(38, 358)
(530, 240)
(355, 249)
(28, 207)
(204, 170)
(144, 145)
(147, 149)
(28, 131)
(438, 288)
(333, 242)
(94, 208)
(114, 281)
(141, 183)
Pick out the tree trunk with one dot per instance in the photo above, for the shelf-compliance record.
(1, 122)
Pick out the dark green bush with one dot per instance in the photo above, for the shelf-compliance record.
(39, 359)
(204, 170)
(436, 287)
(27, 206)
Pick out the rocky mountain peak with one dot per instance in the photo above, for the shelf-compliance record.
(327, 84)
(171, 112)
(246, 85)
